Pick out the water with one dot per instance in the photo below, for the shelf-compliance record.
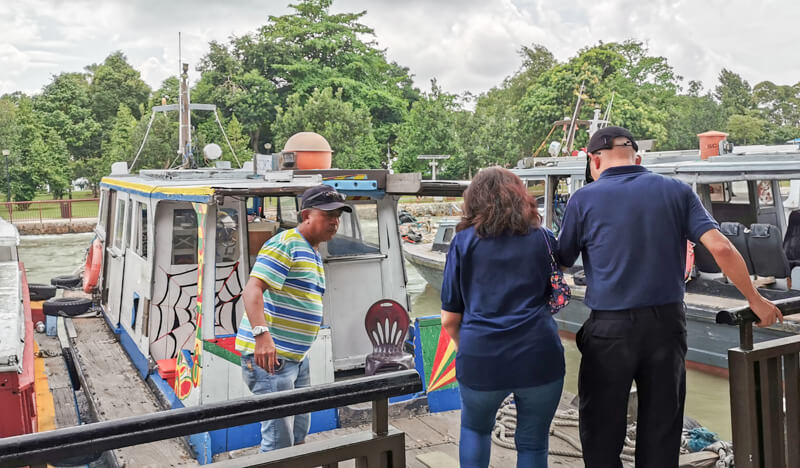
(707, 396)
(707, 400)
(48, 256)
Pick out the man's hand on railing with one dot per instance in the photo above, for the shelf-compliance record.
(767, 312)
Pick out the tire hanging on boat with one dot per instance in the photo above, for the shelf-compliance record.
(66, 281)
(66, 306)
(91, 270)
(41, 292)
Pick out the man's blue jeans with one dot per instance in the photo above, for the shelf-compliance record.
(536, 407)
(283, 432)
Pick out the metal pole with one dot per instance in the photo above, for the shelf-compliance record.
(8, 177)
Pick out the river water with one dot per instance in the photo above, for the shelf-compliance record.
(708, 399)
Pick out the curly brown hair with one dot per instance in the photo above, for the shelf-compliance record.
(496, 203)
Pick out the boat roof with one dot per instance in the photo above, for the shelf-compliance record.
(201, 185)
(765, 165)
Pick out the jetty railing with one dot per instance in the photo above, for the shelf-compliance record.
(765, 393)
(384, 446)
(42, 210)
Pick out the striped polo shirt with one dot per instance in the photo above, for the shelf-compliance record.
(293, 272)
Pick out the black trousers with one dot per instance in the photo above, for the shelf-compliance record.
(646, 345)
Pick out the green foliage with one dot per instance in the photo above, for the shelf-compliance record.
(744, 129)
(734, 93)
(115, 82)
(429, 129)
(346, 127)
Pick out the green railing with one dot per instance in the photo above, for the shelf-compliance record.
(45, 210)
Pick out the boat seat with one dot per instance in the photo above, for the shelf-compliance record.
(735, 232)
(766, 250)
(791, 241)
(387, 324)
(704, 261)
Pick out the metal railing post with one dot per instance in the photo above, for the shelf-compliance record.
(380, 416)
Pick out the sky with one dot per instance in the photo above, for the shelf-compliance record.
(467, 45)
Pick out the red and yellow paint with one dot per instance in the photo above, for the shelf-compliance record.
(443, 371)
(188, 365)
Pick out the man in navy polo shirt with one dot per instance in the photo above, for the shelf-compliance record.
(631, 227)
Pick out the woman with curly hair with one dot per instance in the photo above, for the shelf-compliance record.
(495, 308)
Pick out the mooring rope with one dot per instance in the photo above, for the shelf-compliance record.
(506, 424)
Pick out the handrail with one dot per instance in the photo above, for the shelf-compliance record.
(60, 444)
(744, 318)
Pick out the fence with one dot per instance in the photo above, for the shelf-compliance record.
(765, 393)
(41, 210)
(384, 446)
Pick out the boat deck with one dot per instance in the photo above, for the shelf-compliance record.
(117, 392)
(432, 442)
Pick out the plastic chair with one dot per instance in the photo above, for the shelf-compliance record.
(387, 324)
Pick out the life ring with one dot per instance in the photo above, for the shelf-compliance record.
(91, 270)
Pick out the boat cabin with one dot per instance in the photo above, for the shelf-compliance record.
(178, 246)
(754, 196)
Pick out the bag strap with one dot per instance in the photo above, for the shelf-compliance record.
(549, 250)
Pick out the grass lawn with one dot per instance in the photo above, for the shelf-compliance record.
(51, 209)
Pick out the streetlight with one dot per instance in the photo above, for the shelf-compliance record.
(8, 177)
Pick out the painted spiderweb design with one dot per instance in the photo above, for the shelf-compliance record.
(173, 323)
(228, 307)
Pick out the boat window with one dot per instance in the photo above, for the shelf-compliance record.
(184, 237)
(358, 232)
(131, 225)
(119, 224)
(227, 241)
(738, 192)
(141, 248)
(719, 192)
(289, 215)
(104, 195)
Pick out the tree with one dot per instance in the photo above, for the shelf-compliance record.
(295, 54)
(346, 127)
(112, 83)
(744, 128)
(118, 147)
(29, 153)
(429, 129)
(734, 93)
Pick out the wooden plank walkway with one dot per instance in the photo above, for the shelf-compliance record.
(432, 441)
(118, 392)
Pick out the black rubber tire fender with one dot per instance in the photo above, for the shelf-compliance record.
(66, 306)
(66, 281)
(41, 292)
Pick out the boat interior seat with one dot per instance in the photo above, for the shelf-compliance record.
(766, 250)
(704, 261)
(791, 241)
(736, 233)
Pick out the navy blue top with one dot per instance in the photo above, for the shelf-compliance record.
(508, 337)
(631, 227)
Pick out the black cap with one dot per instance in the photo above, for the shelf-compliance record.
(324, 197)
(604, 139)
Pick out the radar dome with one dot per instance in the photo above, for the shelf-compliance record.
(312, 150)
(212, 151)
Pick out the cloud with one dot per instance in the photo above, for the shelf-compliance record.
(467, 45)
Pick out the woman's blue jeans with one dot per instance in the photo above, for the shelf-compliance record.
(536, 407)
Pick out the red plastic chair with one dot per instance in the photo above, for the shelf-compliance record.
(387, 325)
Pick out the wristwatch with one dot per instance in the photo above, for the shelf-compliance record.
(259, 329)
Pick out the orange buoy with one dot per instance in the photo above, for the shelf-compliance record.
(91, 270)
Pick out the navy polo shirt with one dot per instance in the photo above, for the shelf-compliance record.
(501, 285)
(631, 227)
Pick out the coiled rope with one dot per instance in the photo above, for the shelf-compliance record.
(506, 424)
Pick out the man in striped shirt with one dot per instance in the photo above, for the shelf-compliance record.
(283, 310)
